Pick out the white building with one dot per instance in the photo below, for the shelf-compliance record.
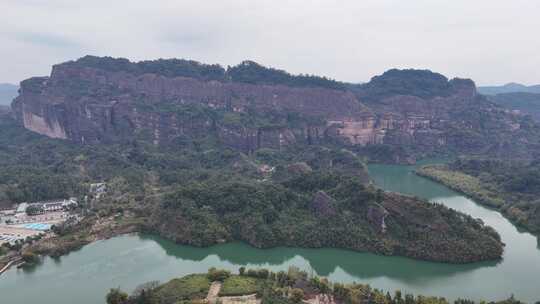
(53, 206)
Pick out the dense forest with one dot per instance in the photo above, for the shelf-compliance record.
(420, 83)
(245, 72)
(310, 196)
(284, 287)
(512, 187)
(252, 72)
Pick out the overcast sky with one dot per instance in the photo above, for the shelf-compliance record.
(490, 41)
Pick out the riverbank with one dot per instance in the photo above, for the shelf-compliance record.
(129, 260)
(255, 286)
(72, 238)
(486, 195)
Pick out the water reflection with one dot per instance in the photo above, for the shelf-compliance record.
(85, 276)
(323, 261)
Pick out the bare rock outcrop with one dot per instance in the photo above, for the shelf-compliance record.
(96, 100)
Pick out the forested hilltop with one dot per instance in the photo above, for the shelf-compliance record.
(261, 286)
(511, 187)
(205, 193)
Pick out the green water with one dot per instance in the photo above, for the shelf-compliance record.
(85, 276)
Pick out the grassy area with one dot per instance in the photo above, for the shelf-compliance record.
(464, 183)
(190, 287)
(236, 285)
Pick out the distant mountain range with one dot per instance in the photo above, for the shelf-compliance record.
(7, 93)
(527, 103)
(515, 96)
(509, 88)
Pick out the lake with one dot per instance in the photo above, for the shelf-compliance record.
(85, 276)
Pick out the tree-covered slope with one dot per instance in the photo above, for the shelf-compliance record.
(511, 187)
(202, 193)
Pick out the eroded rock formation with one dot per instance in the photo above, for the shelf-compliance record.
(96, 100)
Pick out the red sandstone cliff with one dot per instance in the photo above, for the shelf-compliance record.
(89, 103)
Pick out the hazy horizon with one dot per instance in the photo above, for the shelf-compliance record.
(491, 42)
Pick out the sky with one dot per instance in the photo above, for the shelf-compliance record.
(491, 41)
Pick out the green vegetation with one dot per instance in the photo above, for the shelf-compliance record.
(165, 67)
(190, 287)
(30, 258)
(3, 249)
(464, 183)
(254, 73)
(246, 72)
(115, 296)
(218, 275)
(512, 187)
(317, 209)
(33, 209)
(421, 83)
(283, 287)
(241, 285)
(307, 196)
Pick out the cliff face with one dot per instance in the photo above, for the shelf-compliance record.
(96, 100)
(90, 105)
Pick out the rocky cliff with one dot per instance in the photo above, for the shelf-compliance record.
(248, 107)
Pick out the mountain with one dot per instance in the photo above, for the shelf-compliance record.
(396, 117)
(509, 88)
(527, 103)
(204, 194)
(7, 93)
(202, 155)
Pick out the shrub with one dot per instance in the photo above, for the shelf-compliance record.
(218, 274)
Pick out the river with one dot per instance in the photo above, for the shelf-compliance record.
(84, 276)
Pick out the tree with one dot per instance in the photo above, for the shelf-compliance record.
(379, 196)
(116, 296)
(241, 270)
(218, 274)
(30, 257)
(34, 209)
(297, 295)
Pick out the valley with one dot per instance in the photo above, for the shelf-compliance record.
(209, 157)
(128, 261)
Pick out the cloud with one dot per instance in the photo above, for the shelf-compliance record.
(46, 40)
(491, 41)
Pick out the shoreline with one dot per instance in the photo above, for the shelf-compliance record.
(57, 245)
(478, 200)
